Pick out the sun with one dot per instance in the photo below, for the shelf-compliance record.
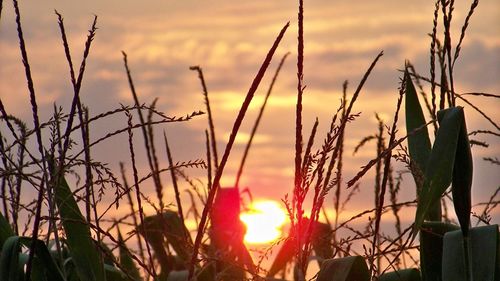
(263, 221)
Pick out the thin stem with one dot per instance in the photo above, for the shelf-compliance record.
(210, 115)
(257, 121)
(147, 140)
(137, 191)
(36, 122)
(174, 182)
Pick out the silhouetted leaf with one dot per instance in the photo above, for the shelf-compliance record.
(44, 259)
(344, 269)
(126, 261)
(87, 260)
(411, 274)
(227, 232)
(5, 230)
(484, 249)
(160, 230)
(13, 262)
(285, 255)
(9, 260)
(438, 174)
(322, 238)
(462, 179)
(419, 145)
(114, 274)
(431, 248)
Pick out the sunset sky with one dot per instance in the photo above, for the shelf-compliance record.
(229, 40)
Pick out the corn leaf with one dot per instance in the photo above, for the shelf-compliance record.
(126, 261)
(227, 233)
(321, 240)
(285, 255)
(411, 274)
(114, 274)
(344, 269)
(431, 248)
(178, 275)
(419, 145)
(483, 247)
(86, 258)
(462, 180)
(166, 227)
(5, 230)
(438, 174)
(46, 264)
(38, 271)
(9, 260)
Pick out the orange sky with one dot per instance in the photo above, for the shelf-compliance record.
(229, 40)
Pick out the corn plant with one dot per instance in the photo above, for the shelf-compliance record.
(77, 247)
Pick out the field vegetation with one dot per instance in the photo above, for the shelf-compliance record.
(61, 235)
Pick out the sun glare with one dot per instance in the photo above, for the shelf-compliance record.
(263, 220)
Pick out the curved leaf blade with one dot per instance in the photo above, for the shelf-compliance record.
(438, 174)
(411, 274)
(126, 261)
(483, 248)
(462, 180)
(5, 230)
(88, 262)
(44, 259)
(9, 260)
(431, 248)
(419, 144)
(344, 269)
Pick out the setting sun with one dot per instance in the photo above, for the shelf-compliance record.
(263, 220)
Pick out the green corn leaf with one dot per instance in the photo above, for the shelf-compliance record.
(114, 274)
(401, 275)
(438, 174)
(483, 247)
(38, 271)
(5, 230)
(419, 145)
(431, 248)
(462, 180)
(344, 269)
(44, 259)
(86, 258)
(9, 260)
(126, 261)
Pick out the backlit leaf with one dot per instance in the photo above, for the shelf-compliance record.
(431, 248)
(344, 269)
(438, 174)
(9, 260)
(483, 247)
(411, 274)
(462, 180)
(5, 230)
(126, 261)
(87, 260)
(419, 145)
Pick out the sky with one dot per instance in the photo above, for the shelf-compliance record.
(229, 40)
